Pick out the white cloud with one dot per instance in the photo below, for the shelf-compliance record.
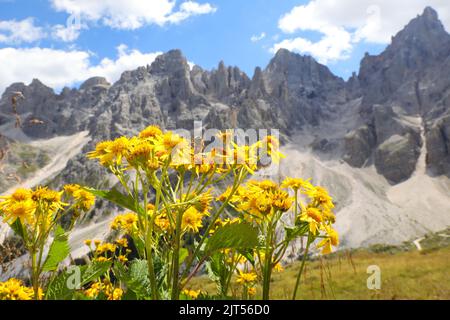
(335, 45)
(126, 60)
(65, 33)
(256, 38)
(132, 14)
(59, 68)
(345, 23)
(12, 31)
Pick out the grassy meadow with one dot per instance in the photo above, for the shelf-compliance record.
(406, 273)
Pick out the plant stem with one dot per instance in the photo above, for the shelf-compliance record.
(34, 275)
(268, 264)
(294, 296)
(176, 257)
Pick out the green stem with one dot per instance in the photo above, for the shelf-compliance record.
(305, 255)
(34, 274)
(237, 182)
(176, 257)
(268, 265)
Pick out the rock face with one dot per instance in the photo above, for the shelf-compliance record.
(374, 118)
(396, 157)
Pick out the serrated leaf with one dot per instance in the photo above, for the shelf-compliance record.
(118, 198)
(233, 236)
(59, 250)
(58, 288)
(135, 278)
(95, 270)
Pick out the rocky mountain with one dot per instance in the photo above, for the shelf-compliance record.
(379, 127)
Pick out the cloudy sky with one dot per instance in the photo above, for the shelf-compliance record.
(63, 42)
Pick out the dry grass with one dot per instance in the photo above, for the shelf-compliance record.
(406, 275)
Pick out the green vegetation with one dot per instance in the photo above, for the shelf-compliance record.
(406, 273)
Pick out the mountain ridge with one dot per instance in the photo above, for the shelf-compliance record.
(380, 125)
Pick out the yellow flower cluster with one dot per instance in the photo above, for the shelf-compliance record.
(126, 223)
(104, 287)
(247, 279)
(13, 289)
(260, 199)
(84, 199)
(39, 207)
(317, 212)
(107, 251)
(153, 148)
(193, 294)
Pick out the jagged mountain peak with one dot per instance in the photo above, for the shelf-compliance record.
(169, 62)
(425, 32)
(430, 13)
(298, 72)
(95, 81)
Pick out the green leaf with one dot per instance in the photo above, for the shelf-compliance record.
(63, 287)
(95, 270)
(58, 288)
(17, 227)
(233, 236)
(136, 278)
(59, 250)
(213, 267)
(299, 230)
(183, 255)
(116, 197)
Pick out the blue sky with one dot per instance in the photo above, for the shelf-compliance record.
(242, 33)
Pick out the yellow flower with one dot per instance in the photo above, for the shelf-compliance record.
(101, 152)
(141, 153)
(88, 242)
(125, 222)
(116, 294)
(150, 132)
(162, 221)
(71, 188)
(122, 258)
(278, 268)
(97, 242)
(119, 149)
(94, 290)
(193, 294)
(13, 289)
(122, 242)
(246, 278)
(50, 197)
(313, 216)
(281, 200)
(331, 240)
(22, 210)
(296, 184)
(251, 291)
(105, 247)
(192, 220)
(321, 197)
(109, 152)
(85, 199)
(102, 259)
(271, 144)
(170, 140)
(18, 195)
